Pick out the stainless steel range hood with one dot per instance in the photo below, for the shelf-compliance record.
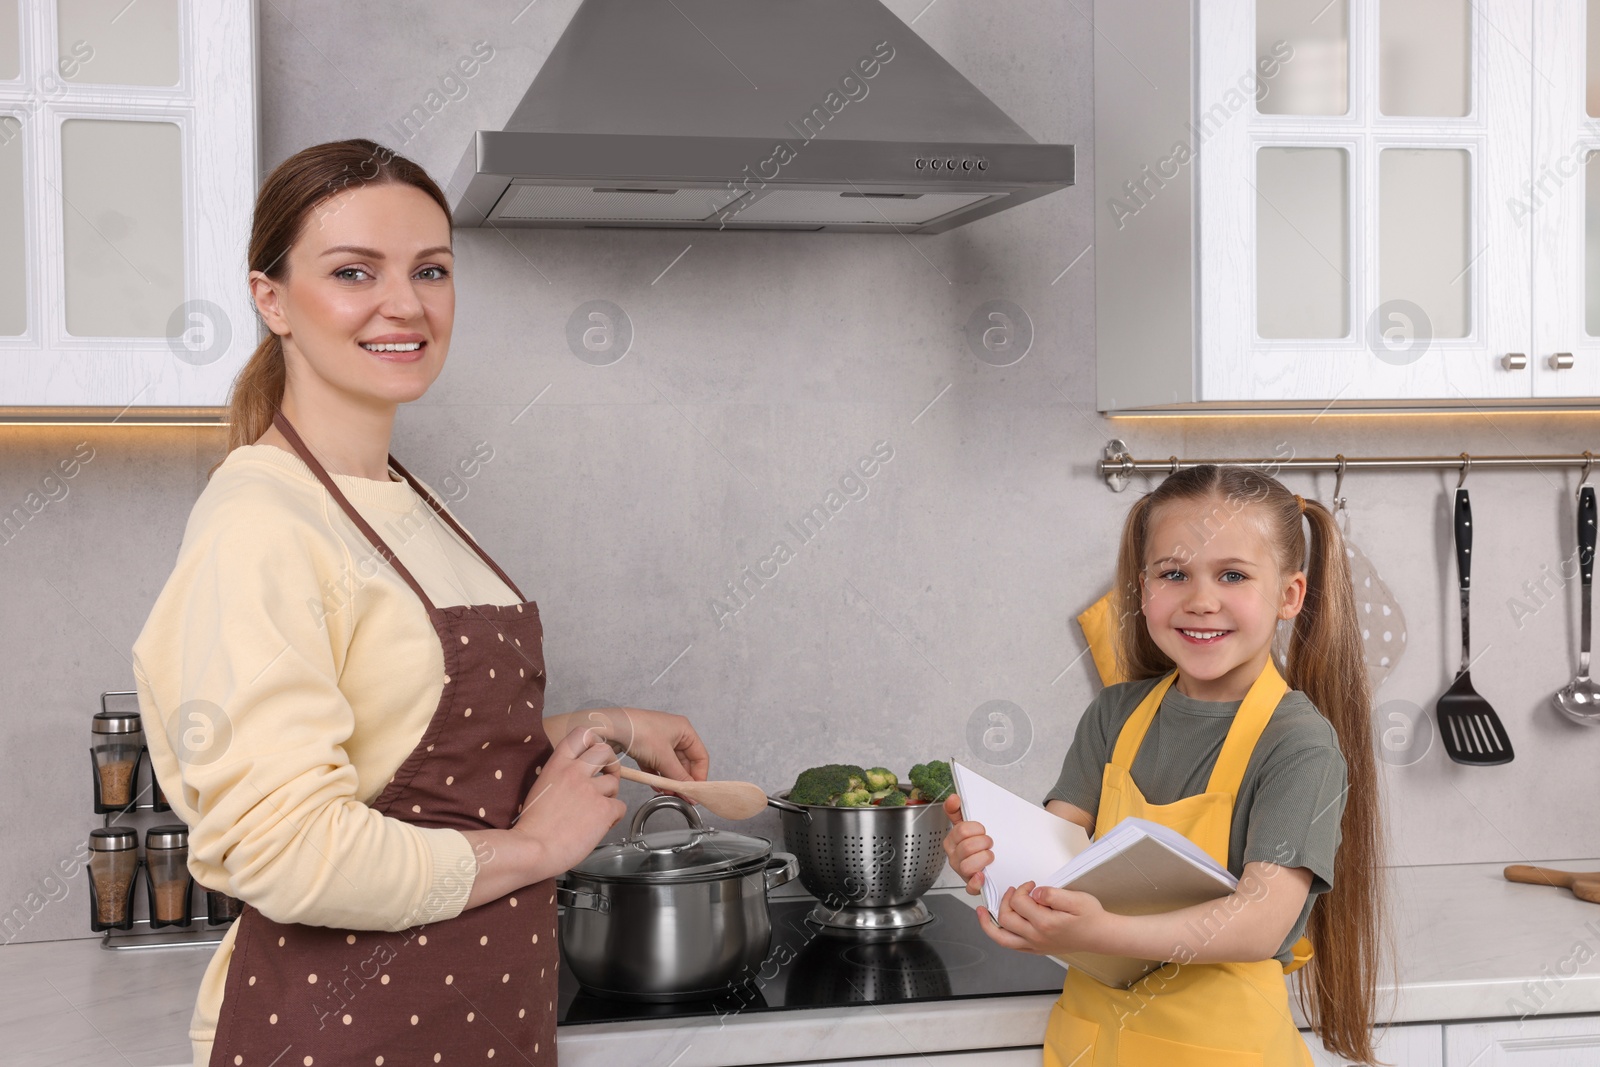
(750, 114)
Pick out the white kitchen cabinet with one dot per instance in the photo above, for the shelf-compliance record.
(1560, 1041)
(1006, 1057)
(1560, 205)
(1304, 203)
(1402, 1046)
(127, 177)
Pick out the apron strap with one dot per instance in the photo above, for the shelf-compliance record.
(456, 526)
(378, 543)
(1138, 724)
(1248, 723)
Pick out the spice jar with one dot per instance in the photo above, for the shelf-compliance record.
(167, 878)
(221, 908)
(113, 862)
(118, 741)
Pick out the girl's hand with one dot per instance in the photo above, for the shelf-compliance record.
(572, 803)
(1051, 921)
(966, 846)
(659, 742)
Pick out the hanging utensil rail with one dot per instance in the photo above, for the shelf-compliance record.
(1117, 465)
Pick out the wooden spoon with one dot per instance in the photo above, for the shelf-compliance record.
(1583, 886)
(731, 800)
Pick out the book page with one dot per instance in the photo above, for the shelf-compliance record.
(1030, 844)
(1127, 835)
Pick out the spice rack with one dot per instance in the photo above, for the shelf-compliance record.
(125, 887)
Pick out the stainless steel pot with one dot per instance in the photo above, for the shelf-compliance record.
(671, 915)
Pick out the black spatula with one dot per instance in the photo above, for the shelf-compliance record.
(1471, 731)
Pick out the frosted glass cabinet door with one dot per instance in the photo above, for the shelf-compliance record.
(1561, 205)
(1591, 246)
(13, 247)
(127, 176)
(1591, 62)
(1317, 80)
(1424, 234)
(1424, 57)
(1302, 242)
(122, 188)
(10, 40)
(115, 42)
(1355, 242)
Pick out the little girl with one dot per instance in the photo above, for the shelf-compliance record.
(1275, 780)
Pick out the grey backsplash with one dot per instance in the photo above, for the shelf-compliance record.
(625, 498)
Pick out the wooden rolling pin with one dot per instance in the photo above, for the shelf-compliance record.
(1583, 886)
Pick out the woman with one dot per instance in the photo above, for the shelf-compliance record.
(350, 721)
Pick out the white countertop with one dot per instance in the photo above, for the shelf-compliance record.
(1469, 944)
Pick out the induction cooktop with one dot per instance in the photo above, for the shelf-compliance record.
(946, 959)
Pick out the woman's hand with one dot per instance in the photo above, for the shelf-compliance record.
(966, 846)
(1051, 921)
(567, 811)
(658, 741)
(572, 803)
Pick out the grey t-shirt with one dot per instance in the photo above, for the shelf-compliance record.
(1290, 802)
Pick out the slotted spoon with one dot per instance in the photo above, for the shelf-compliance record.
(1471, 731)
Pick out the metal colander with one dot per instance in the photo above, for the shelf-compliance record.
(867, 867)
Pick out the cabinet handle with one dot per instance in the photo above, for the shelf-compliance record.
(1561, 361)
(1514, 360)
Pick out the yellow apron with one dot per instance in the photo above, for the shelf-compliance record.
(1195, 1014)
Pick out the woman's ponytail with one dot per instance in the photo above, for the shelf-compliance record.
(256, 395)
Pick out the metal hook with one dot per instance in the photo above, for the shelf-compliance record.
(1466, 465)
(1588, 465)
(1338, 485)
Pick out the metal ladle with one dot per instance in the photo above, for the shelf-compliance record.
(1579, 700)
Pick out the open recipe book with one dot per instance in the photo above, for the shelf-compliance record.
(1137, 868)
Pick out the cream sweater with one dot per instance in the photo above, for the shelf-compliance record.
(296, 671)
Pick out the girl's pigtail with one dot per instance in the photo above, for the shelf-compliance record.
(1339, 989)
(1137, 653)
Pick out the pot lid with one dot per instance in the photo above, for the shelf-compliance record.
(695, 853)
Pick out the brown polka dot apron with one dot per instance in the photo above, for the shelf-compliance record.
(478, 988)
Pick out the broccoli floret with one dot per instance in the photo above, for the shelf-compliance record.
(931, 781)
(881, 779)
(822, 785)
(894, 799)
(855, 798)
